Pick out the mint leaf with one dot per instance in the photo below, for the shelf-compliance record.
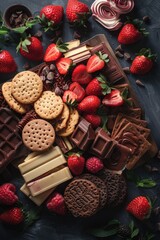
(135, 233)
(99, 232)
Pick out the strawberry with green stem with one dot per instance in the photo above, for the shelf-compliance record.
(55, 50)
(77, 14)
(70, 98)
(97, 62)
(143, 62)
(131, 32)
(50, 17)
(98, 86)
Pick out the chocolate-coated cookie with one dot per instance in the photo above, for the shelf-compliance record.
(101, 187)
(122, 191)
(82, 197)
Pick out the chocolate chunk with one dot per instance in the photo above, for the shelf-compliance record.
(83, 135)
(76, 35)
(58, 91)
(45, 70)
(146, 19)
(127, 56)
(52, 67)
(139, 83)
(119, 49)
(126, 70)
(65, 87)
(119, 54)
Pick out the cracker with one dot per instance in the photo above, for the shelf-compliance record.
(12, 102)
(27, 87)
(38, 135)
(71, 123)
(49, 105)
(62, 119)
(130, 137)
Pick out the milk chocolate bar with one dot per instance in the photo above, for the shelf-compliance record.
(64, 143)
(83, 135)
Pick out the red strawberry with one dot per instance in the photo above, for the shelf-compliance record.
(80, 75)
(78, 90)
(13, 216)
(139, 207)
(63, 65)
(7, 62)
(143, 63)
(76, 164)
(94, 119)
(94, 164)
(96, 62)
(89, 104)
(131, 32)
(7, 194)
(77, 12)
(98, 87)
(54, 51)
(53, 13)
(31, 48)
(113, 99)
(69, 97)
(56, 204)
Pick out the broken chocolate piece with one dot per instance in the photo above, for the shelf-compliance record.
(126, 70)
(127, 56)
(119, 54)
(83, 135)
(139, 83)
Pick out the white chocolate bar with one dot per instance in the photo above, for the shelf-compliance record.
(73, 44)
(39, 199)
(44, 168)
(40, 159)
(75, 51)
(41, 185)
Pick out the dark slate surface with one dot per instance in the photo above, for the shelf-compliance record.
(54, 227)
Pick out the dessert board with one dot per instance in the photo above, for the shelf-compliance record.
(95, 41)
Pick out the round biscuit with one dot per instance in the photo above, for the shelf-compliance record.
(12, 102)
(27, 87)
(49, 105)
(71, 123)
(38, 135)
(62, 119)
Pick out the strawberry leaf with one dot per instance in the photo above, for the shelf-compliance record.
(146, 183)
(135, 233)
(20, 30)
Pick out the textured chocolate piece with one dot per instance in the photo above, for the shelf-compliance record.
(119, 157)
(122, 192)
(83, 135)
(130, 137)
(103, 145)
(100, 185)
(64, 143)
(82, 198)
(26, 118)
(10, 141)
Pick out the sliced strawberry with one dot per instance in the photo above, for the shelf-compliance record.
(113, 99)
(63, 65)
(78, 90)
(52, 53)
(96, 62)
(81, 75)
(69, 97)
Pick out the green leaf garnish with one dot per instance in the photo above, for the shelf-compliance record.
(146, 183)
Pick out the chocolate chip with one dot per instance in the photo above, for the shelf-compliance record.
(38, 34)
(43, 78)
(76, 35)
(146, 19)
(65, 87)
(58, 91)
(26, 66)
(45, 71)
(126, 70)
(127, 56)
(119, 54)
(139, 83)
(50, 76)
(119, 48)
(52, 67)
(156, 211)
